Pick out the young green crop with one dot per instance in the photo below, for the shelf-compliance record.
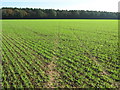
(60, 53)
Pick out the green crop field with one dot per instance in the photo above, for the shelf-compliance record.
(60, 53)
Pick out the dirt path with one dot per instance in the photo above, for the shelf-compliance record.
(52, 73)
(53, 76)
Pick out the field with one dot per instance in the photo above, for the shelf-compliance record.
(60, 53)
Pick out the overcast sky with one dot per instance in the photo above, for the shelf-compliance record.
(99, 5)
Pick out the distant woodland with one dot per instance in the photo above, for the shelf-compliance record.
(34, 13)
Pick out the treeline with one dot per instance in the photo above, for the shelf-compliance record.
(34, 13)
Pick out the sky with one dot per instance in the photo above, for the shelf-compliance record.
(98, 5)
